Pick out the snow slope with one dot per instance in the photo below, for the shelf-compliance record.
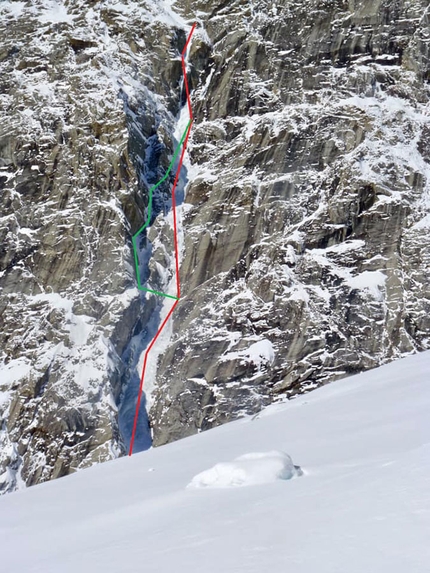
(363, 503)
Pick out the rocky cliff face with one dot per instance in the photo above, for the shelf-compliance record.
(88, 96)
(305, 227)
(307, 241)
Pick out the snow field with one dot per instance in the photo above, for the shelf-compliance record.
(363, 504)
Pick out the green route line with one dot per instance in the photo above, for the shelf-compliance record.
(148, 219)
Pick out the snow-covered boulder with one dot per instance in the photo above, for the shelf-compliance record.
(249, 469)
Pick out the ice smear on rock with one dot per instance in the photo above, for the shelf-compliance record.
(249, 469)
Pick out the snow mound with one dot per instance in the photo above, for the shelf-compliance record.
(249, 469)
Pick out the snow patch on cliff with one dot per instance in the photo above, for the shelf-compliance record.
(13, 371)
(14, 9)
(55, 12)
(259, 353)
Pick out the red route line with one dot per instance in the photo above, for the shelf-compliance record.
(185, 71)
(175, 236)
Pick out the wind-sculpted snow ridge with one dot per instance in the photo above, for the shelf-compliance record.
(88, 104)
